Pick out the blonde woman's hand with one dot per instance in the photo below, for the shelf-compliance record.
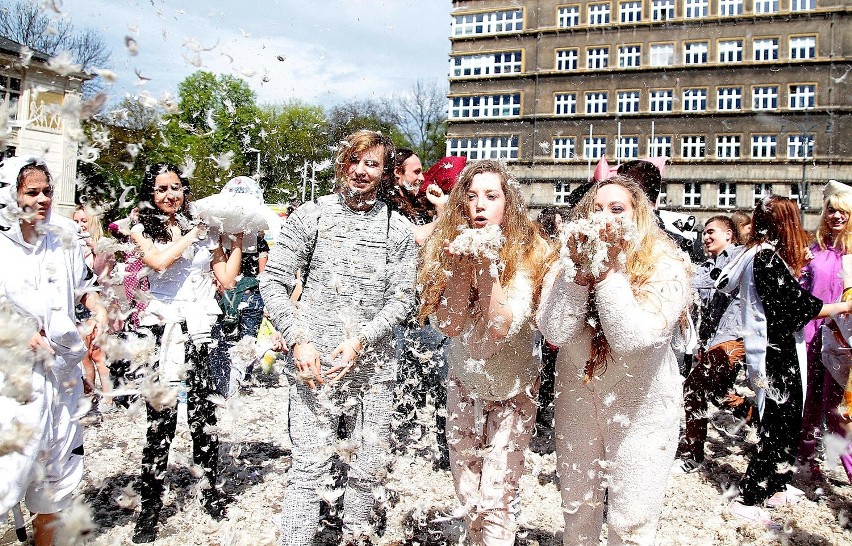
(461, 264)
(613, 236)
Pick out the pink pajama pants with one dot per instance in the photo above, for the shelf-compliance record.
(487, 440)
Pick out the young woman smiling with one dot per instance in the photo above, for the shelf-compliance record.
(618, 388)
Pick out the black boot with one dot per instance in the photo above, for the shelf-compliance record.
(215, 503)
(146, 525)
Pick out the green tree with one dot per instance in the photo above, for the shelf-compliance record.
(215, 133)
(295, 137)
(119, 145)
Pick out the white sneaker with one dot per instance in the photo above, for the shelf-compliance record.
(791, 495)
(753, 514)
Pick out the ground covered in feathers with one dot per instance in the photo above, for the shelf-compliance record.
(419, 503)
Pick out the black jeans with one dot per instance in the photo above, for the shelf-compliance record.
(162, 425)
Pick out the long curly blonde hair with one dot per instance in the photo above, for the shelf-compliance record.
(643, 254)
(524, 247)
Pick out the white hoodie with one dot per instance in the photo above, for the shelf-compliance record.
(45, 279)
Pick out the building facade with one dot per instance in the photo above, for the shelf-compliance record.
(747, 97)
(35, 118)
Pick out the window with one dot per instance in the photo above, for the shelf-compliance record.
(728, 147)
(597, 57)
(764, 146)
(594, 147)
(10, 93)
(694, 9)
(565, 104)
(561, 191)
(692, 147)
(495, 22)
(803, 47)
(486, 64)
(484, 148)
(598, 14)
(566, 59)
(765, 49)
(800, 146)
(802, 5)
(692, 194)
(729, 98)
(766, 6)
(728, 8)
(795, 193)
(694, 100)
(630, 12)
(628, 102)
(660, 100)
(761, 191)
(596, 102)
(629, 56)
(485, 106)
(764, 97)
(695, 52)
(660, 146)
(662, 10)
(563, 148)
(627, 148)
(727, 195)
(731, 51)
(663, 197)
(662, 55)
(568, 16)
(802, 96)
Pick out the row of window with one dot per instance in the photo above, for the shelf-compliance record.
(692, 147)
(629, 11)
(800, 96)
(726, 194)
(764, 49)
(694, 53)
(763, 146)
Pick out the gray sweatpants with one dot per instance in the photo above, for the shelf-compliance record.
(366, 403)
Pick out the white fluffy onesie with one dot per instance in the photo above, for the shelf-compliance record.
(618, 432)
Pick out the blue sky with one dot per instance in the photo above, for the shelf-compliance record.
(319, 51)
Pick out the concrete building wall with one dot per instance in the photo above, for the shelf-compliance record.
(536, 124)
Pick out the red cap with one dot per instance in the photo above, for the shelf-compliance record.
(445, 173)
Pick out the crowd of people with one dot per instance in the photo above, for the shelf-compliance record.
(406, 290)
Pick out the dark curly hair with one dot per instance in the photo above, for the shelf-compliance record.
(149, 216)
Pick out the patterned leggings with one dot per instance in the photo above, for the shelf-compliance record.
(366, 406)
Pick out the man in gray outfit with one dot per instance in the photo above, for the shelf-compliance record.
(357, 261)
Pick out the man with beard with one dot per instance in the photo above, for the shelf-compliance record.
(357, 259)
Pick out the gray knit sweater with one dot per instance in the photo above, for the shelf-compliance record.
(360, 277)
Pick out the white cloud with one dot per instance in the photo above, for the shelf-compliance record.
(332, 50)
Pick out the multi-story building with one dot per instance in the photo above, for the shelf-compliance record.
(32, 96)
(746, 97)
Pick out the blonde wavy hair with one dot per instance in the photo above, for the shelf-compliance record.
(524, 246)
(824, 236)
(644, 251)
(643, 254)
